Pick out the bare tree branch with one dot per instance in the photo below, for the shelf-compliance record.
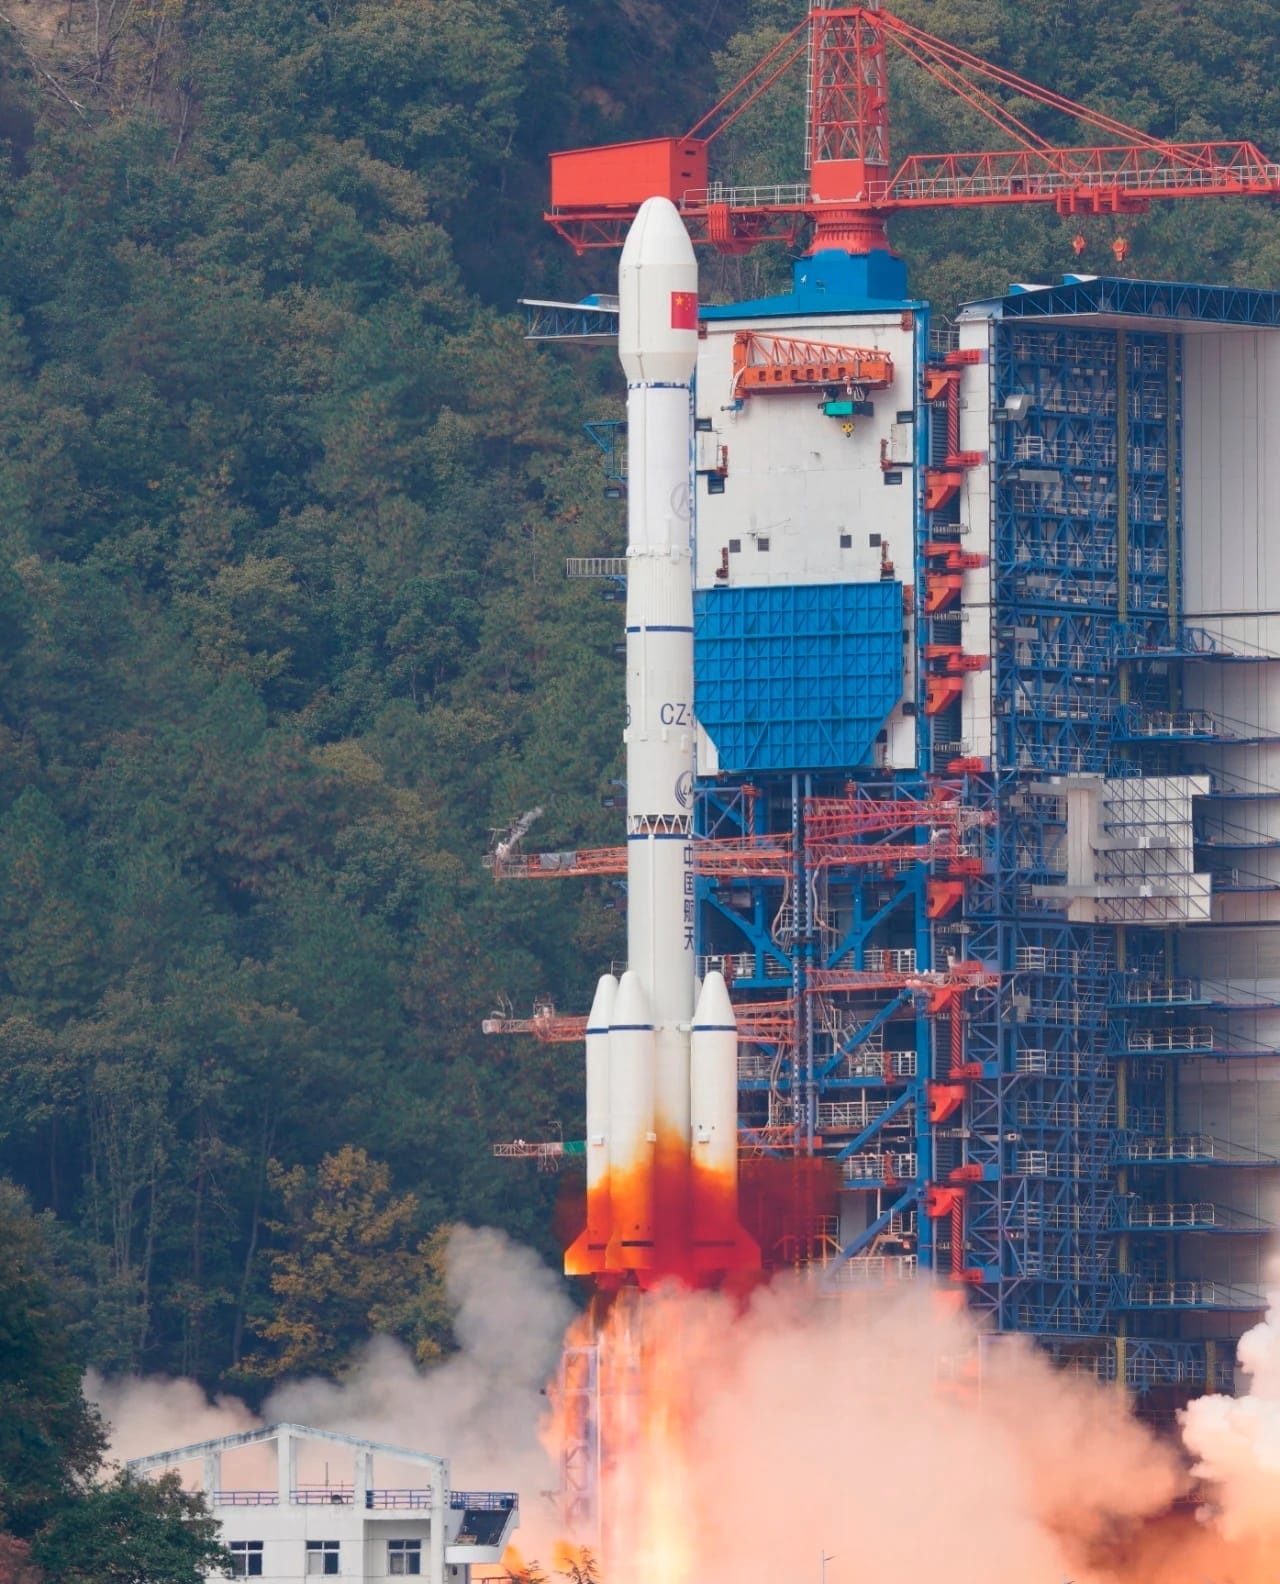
(47, 75)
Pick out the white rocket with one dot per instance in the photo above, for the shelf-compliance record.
(662, 1103)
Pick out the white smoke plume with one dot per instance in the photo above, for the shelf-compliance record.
(880, 1430)
(480, 1408)
(1236, 1440)
(156, 1414)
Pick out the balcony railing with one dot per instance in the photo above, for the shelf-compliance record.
(398, 1500)
(484, 1501)
(1193, 1037)
(323, 1496)
(870, 1269)
(1194, 1148)
(1135, 1292)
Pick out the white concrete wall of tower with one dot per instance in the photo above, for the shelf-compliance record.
(977, 426)
(1231, 589)
(1231, 560)
(804, 501)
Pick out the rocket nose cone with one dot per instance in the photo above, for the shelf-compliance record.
(657, 236)
(631, 1007)
(658, 298)
(714, 1009)
(601, 1013)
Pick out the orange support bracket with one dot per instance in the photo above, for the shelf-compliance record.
(943, 897)
(953, 558)
(944, 1100)
(940, 484)
(940, 590)
(955, 662)
(943, 997)
(937, 380)
(938, 1201)
(941, 691)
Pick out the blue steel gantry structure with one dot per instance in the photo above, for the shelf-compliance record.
(987, 822)
(1017, 982)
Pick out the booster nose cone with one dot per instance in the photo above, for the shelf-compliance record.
(631, 1136)
(713, 1079)
(631, 1005)
(586, 1255)
(714, 1010)
(601, 1013)
(719, 1242)
(658, 298)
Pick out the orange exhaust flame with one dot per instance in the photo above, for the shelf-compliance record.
(741, 1435)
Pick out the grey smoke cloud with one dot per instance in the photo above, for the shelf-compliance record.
(481, 1407)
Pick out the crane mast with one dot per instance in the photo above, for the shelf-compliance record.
(847, 127)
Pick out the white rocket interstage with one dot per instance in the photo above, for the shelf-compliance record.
(662, 1099)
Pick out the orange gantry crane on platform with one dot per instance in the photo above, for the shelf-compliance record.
(762, 857)
(853, 187)
(766, 1021)
(786, 363)
(840, 833)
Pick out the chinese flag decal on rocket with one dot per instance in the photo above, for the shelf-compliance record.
(684, 310)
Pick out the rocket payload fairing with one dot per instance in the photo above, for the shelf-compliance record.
(662, 1071)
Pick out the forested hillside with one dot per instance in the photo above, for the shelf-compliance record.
(284, 506)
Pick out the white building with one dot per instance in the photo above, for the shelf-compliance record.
(296, 1503)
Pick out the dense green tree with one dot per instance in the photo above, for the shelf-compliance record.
(347, 1268)
(51, 1441)
(132, 1531)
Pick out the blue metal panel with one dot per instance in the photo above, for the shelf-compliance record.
(800, 677)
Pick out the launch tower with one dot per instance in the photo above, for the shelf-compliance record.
(986, 645)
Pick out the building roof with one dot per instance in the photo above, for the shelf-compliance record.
(1147, 305)
(273, 1432)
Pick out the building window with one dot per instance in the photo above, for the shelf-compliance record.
(246, 1558)
(404, 1556)
(735, 545)
(846, 541)
(762, 544)
(322, 1557)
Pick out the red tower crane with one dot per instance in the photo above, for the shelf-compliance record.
(853, 188)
